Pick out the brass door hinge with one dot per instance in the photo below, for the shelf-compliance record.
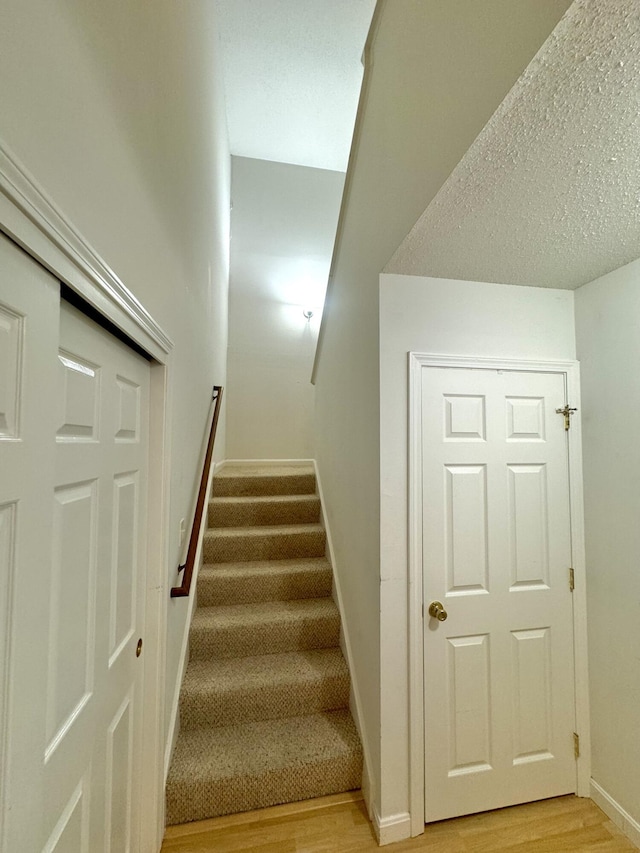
(572, 580)
(567, 412)
(576, 745)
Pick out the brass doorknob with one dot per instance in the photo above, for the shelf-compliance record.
(437, 611)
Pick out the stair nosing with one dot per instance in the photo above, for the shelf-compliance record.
(254, 565)
(309, 497)
(270, 662)
(264, 530)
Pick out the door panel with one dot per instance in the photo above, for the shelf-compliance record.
(119, 782)
(470, 711)
(466, 555)
(72, 603)
(499, 696)
(11, 377)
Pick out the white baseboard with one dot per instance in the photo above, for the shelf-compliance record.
(616, 813)
(367, 785)
(355, 702)
(396, 827)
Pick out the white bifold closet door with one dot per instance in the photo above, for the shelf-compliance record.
(73, 492)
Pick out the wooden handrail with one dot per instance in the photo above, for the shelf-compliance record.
(189, 565)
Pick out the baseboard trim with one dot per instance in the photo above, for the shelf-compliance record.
(355, 702)
(396, 827)
(616, 813)
(366, 785)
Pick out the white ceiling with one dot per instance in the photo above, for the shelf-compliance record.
(549, 193)
(292, 73)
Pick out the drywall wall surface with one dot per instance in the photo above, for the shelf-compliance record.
(607, 317)
(292, 70)
(117, 110)
(547, 194)
(453, 318)
(437, 71)
(283, 227)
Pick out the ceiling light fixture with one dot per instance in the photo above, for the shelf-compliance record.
(307, 313)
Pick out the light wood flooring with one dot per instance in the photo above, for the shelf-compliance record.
(339, 824)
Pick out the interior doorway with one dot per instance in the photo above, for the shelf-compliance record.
(496, 500)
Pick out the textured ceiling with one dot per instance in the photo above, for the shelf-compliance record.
(549, 193)
(292, 73)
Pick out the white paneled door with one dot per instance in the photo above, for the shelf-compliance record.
(499, 669)
(74, 504)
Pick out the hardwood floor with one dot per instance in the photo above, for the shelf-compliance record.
(339, 824)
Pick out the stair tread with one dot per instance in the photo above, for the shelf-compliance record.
(246, 500)
(231, 615)
(263, 530)
(265, 480)
(301, 564)
(261, 671)
(261, 747)
(264, 580)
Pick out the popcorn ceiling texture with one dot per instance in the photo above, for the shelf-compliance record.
(549, 193)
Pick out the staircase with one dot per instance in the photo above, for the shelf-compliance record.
(264, 715)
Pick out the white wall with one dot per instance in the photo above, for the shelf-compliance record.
(438, 71)
(608, 340)
(116, 108)
(283, 226)
(455, 318)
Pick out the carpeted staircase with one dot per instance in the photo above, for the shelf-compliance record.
(264, 715)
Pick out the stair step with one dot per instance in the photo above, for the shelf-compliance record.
(264, 480)
(233, 544)
(240, 630)
(254, 510)
(264, 687)
(263, 580)
(254, 765)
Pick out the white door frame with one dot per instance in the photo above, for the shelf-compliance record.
(570, 370)
(30, 218)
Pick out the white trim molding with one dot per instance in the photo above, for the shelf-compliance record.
(570, 371)
(35, 223)
(616, 813)
(390, 829)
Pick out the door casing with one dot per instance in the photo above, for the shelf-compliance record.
(31, 219)
(570, 372)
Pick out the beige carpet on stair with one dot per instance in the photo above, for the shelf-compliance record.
(264, 715)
